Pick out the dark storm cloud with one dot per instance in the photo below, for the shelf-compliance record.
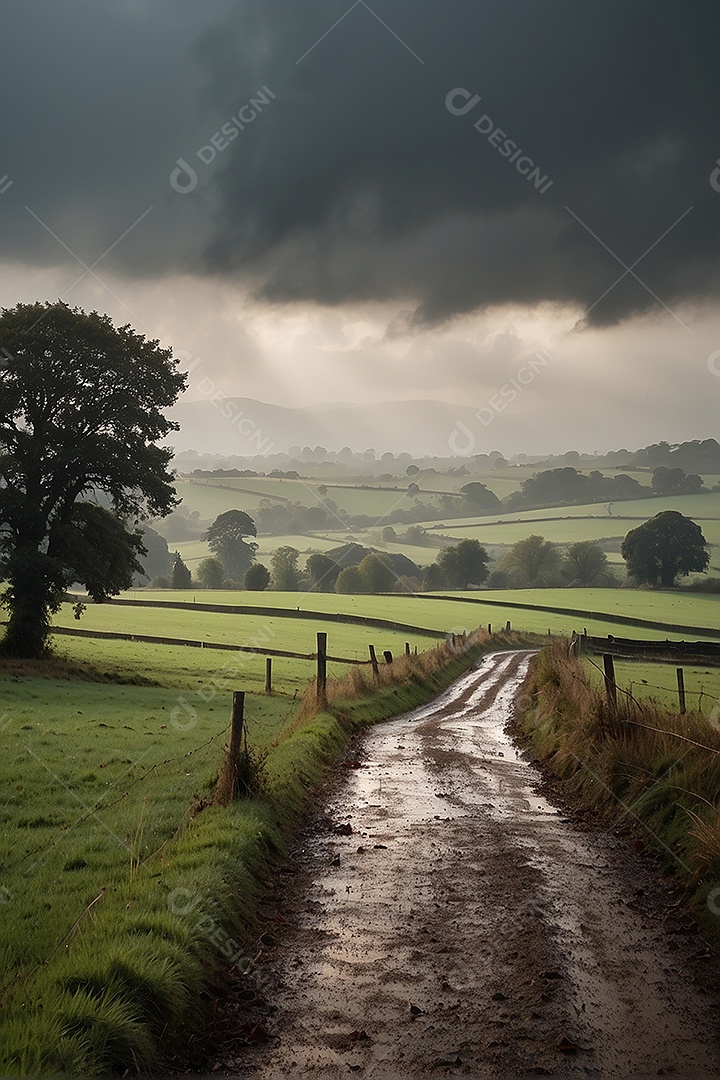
(355, 181)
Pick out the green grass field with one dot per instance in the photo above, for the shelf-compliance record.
(211, 496)
(569, 524)
(97, 778)
(689, 609)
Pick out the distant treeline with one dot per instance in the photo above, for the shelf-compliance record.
(697, 455)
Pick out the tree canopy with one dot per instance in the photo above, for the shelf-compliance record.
(532, 563)
(664, 548)
(585, 564)
(479, 498)
(463, 564)
(323, 572)
(81, 411)
(257, 577)
(180, 576)
(211, 573)
(226, 539)
(285, 573)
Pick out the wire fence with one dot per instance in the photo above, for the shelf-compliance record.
(99, 806)
(650, 727)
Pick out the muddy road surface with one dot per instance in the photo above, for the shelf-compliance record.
(444, 919)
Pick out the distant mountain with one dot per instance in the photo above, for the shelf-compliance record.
(246, 427)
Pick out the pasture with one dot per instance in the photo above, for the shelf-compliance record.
(98, 777)
(569, 524)
(600, 607)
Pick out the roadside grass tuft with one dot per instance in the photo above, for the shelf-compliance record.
(657, 770)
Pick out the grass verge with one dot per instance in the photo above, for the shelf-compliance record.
(642, 764)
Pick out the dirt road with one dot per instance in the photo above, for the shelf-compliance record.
(467, 927)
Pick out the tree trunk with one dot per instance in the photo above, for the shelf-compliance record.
(30, 598)
(667, 578)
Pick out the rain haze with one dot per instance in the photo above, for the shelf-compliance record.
(452, 228)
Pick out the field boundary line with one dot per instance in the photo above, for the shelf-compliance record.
(284, 613)
(114, 635)
(625, 620)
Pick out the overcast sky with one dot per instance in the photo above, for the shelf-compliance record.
(330, 202)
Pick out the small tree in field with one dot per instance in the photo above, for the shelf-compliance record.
(350, 581)
(226, 539)
(211, 573)
(532, 563)
(463, 564)
(664, 548)
(81, 412)
(285, 573)
(180, 576)
(379, 576)
(585, 564)
(257, 578)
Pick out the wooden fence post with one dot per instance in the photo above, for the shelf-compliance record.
(610, 684)
(322, 670)
(489, 628)
(681, 689)
(508, 627)
(268, 674)
(373, 662)
(388, 656)
(237, 724)
(228, 781)
(407, 648)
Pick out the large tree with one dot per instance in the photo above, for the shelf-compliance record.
(81, 411)
(378, 573)
(664, 548)
(226, 538)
